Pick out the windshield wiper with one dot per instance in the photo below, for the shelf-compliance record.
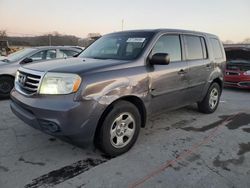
(103, 58)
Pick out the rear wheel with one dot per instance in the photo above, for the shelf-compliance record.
(120, 129)
(211, 101)
(6, 85)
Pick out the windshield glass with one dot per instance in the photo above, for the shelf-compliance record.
(122, 46)
(16, 56)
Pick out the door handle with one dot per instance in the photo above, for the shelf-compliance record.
(181, 72)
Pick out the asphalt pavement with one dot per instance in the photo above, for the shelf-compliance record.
(181, 148)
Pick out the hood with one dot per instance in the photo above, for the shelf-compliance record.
(2, 57)
(8, 68)
(73, 65)
(3, 63)
(6, 64)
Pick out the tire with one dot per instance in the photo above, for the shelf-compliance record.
(6, 85)
(211, 101)
(120, 129)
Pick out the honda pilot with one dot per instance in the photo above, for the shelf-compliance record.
(106, 94)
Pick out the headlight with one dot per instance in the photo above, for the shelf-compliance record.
(17, 76)
(60, 83)
(247, 73)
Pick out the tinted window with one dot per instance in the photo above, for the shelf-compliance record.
(169, 44)
(216, 48)
(194, 47)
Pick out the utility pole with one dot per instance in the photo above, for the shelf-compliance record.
(122, 24)
(49, 39)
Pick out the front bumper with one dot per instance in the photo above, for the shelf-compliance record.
(243, 85)
(58, 115)
(237, 79)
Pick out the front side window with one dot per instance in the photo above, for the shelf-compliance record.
(51, 54)
(60, 54)
(169, 44)
(194, 48)
(67, 53)
(38, 56)
(124, 46)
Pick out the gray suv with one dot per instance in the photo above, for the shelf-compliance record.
(107, 93)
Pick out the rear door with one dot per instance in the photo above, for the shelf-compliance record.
(199, 65)
(168, 82)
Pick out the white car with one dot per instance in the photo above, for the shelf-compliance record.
(2, 57)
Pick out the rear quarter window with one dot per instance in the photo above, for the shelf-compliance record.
(217, 51)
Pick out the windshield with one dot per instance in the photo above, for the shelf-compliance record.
(122, 46)
(16, 56)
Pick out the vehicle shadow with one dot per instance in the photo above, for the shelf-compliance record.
(4, 99)
(237, 89)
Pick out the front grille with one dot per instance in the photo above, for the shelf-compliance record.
(233, 67)
(232, 73)
(244, 84)
(238, 67)
(231, 83)
(28, 82)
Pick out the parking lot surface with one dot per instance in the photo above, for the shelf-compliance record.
(182, 148)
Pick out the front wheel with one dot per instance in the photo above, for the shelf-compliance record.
(6, 85)
(211, 101)
(120, 129)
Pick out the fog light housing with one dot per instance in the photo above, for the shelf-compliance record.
(49, 126)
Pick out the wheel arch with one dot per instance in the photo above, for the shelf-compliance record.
(7, 75)
(219, 81)
(132, 99)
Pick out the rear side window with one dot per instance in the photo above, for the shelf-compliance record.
(216, 48)
(169, 44)
(196, 47)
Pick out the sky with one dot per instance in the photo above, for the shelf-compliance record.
(229, 19)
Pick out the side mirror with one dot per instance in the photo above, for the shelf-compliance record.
(26, 60)
(160, 59)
